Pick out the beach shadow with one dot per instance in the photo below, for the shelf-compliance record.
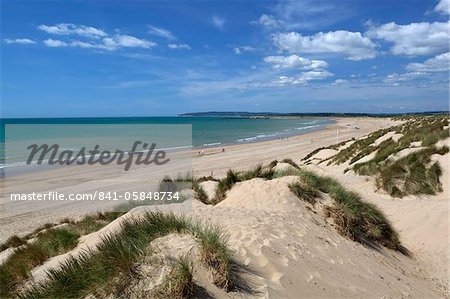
(377, 247)
(201, 292)
(242, 277)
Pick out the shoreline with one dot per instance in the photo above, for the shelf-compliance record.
(275, 136)
(238, 156)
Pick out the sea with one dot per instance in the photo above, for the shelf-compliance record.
(196, 132)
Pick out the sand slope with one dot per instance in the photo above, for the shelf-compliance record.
(296, 254)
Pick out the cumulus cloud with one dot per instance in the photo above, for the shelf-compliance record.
(439, 63)
(218, 22)
(73, 29)
(303, 78)
(352, 44)
(268, 21)
(295, 62)
(21, 41)
(239, 50)
(415, 38)
(161, 32)
(416, 70)
(443, 7)
(178, 46)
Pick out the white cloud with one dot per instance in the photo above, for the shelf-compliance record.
(239, 50)
(178, 46)
(218, 22)
(72, 29)
(21, 41)
(415, 71)
(161, 32)
(352, 44)
(439, 63)
(415, 38)
(395, 79)
(268, 21)
(443, 7)
(303, 14)
(112, 43)
(94, 38)
(54, 43)
(303, 78)
(339, 82)
(128, 41)
(295, 62)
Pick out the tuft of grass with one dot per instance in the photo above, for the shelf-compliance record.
(272, 164)
(179, 284)
(291, 162)
(225, 184)
(12, 242)
(216, 254)
(18, 266)
(257, 172)
(412, 175)
(49, 242)
(199, 192)
(354, 218)
(286, 172)
(104, 271)
(304, 192)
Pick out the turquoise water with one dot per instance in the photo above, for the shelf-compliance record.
(206, 131)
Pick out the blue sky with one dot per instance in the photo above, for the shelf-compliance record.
(152, 58)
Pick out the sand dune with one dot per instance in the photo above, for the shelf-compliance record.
(287, 246)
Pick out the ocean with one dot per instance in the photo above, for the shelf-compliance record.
(206, 131)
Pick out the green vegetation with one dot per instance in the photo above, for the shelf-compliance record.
(49, 242)
(105, 271)
(179, 283)
(18, 266)
(358, 220)
(216, 254)
(225, 184)
(291, 162)
(304, 192)
(199, 192)
(411, 174)
(13, 241)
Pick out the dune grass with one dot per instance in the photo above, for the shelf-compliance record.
(410, 175)
(49, 242)
(12, 242)
(104, 271)
(358, 220)
(225, 184)
(179, 283)
(17, 267)
(199, 192)
(304, 192)
(290, 162)
(413, 174)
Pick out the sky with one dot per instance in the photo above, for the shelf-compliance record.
(161, 58)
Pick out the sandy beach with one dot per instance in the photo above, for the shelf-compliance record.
(290, 247)
(24, 217)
